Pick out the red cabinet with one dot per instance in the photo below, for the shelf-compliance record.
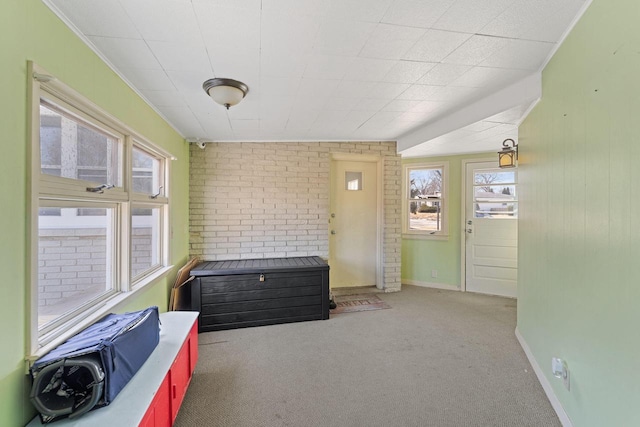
(180, 375)
(164, 409)
(159, 413)
(193, 342)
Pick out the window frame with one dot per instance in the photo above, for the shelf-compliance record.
(443, 234)
(138, 279)
(69, 192)
(161, 196)
(113, 283)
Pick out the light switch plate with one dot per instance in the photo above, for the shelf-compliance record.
(560, 369)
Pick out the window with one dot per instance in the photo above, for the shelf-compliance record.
(100, 212)
(353, 181)
(73, 148)
(494, 194)
(424, 208)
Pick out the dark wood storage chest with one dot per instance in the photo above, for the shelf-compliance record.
(256, 292)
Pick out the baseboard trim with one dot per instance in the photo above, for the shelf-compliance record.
(430, 285)
(544, 382)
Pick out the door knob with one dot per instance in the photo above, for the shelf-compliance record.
(333, 231)
(468, 230)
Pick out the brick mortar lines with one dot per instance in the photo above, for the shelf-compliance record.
(258, 200)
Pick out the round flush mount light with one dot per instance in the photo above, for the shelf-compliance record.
(226, 92)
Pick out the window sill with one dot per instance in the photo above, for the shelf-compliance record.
(112, 304)
(420, 236)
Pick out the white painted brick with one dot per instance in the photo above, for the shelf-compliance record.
(224, 257)
(284, 188)
(91, 274)
(228, 245)
(275, 244)
(228, 234)
(61, 263)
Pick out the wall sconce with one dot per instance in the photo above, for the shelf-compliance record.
(226, 92)
(508, 157)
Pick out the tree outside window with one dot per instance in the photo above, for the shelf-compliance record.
(425, 204)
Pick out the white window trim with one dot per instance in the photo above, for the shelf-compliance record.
(443, 234)
(41, 83)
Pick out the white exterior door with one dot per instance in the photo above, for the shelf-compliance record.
(491, 229)
(353, 224)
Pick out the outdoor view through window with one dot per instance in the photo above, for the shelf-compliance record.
(79, 243)
(494, 194)
(425, 194)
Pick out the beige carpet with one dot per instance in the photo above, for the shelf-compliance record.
(438, 358)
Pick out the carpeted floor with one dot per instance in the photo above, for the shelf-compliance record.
(438, 358)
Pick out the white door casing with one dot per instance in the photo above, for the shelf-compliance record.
(354, 223)
(490, 229)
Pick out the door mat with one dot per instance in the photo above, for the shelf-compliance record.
(359, 302)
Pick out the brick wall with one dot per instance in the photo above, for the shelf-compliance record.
(258, 200)
(141, 249)
(72, 263)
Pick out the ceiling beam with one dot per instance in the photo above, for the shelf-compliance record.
(524, 91)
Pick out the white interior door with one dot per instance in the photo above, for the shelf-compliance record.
(491, 229)
(353, 224)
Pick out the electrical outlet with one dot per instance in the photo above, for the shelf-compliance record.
(434, 273)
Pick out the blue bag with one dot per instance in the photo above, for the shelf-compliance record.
(89, 370)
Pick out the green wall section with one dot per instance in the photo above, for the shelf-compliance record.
(30, 31)
(420, 256)
(579, 241)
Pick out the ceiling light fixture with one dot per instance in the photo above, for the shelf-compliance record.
(508, 157)
(227, 92)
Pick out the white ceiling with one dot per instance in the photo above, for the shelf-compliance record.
(326, 69)
(482, 136)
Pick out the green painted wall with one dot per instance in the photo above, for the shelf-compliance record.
(29, 31)
(579, 241)
(419, 257)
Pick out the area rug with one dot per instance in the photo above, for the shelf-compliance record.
(359, 302)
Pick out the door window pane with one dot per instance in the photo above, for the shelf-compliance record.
(74, 260)
(495, 194)
(145, 240)
(72, 148)
(494, 177)
(353, 181)
(496, 210)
